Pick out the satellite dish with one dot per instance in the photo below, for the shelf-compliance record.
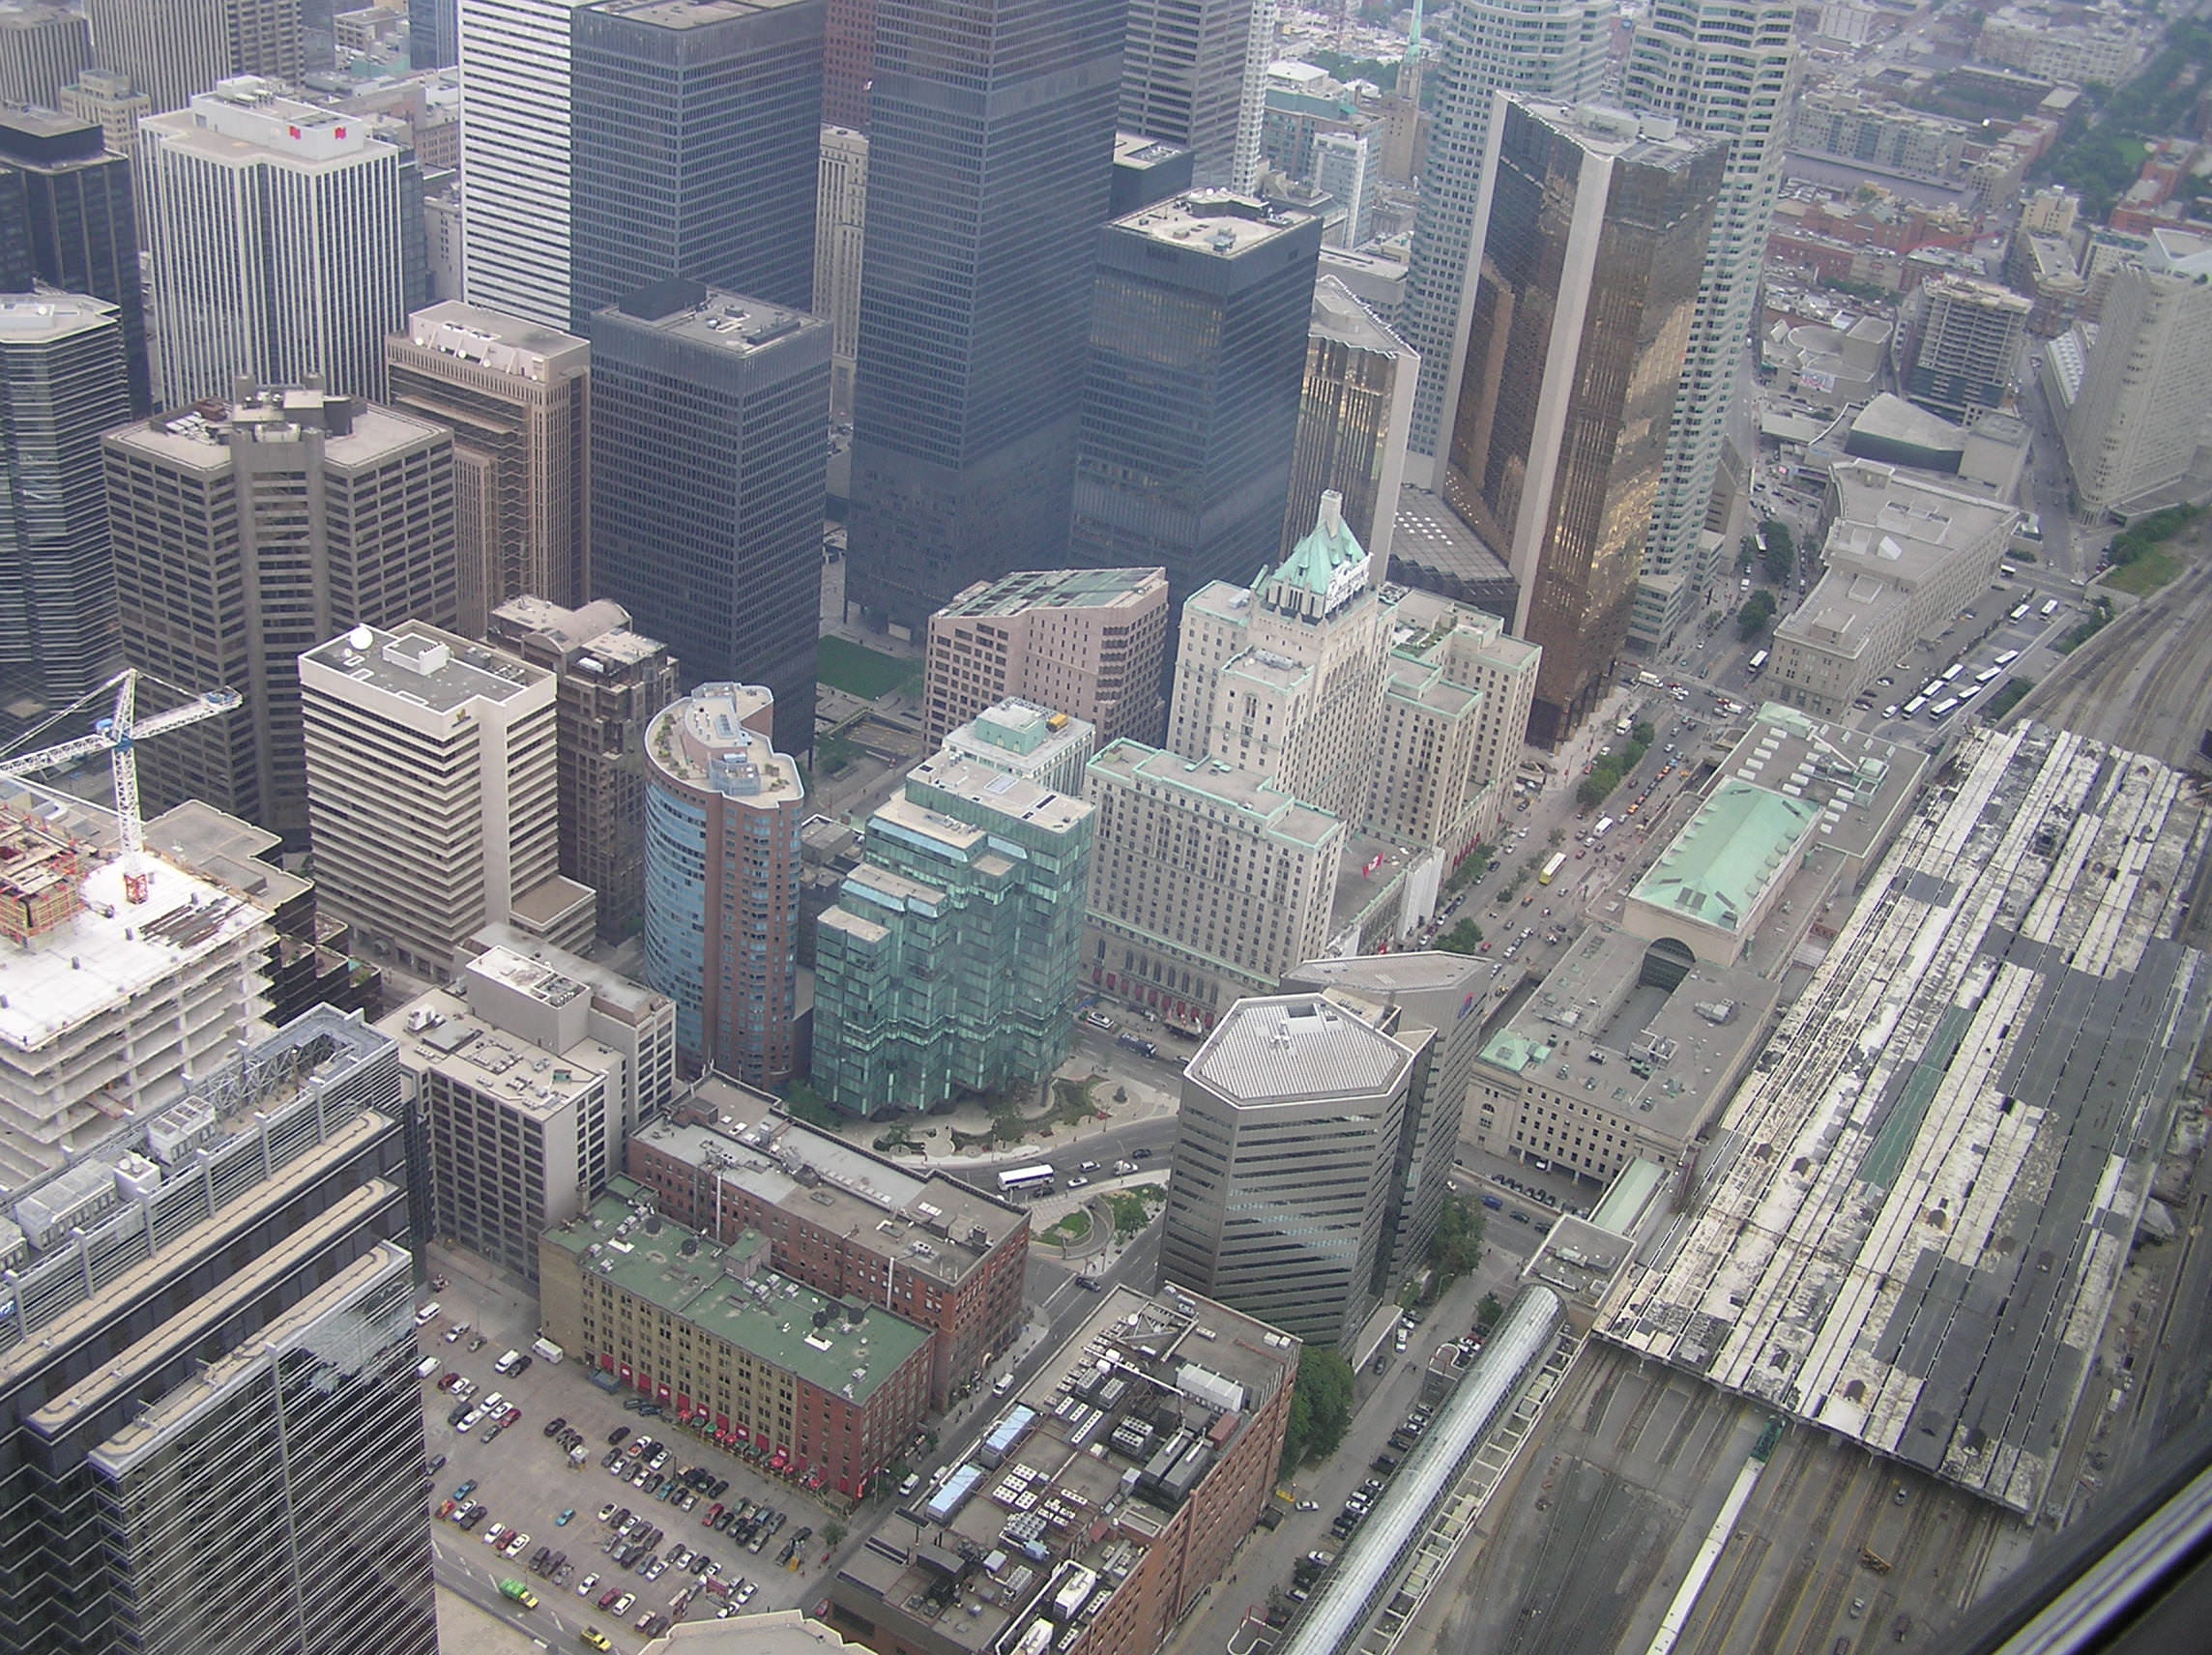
(360, 638)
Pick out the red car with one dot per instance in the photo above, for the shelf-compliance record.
(511, 1416)
(713, 1511)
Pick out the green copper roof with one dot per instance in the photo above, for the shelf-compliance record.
(1327, 547)
(1739, 842)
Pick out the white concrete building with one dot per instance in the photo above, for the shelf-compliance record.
(1725, 69)
(273, 231)
(2137, 432)
(515, 154)
(431, 793)
(840, 231)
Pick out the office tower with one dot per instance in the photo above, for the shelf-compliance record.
(518, 398)
(506, 1163)
(275, 234)
(67, 222)
(42, 49)
(1266, 863)
(848, 61)
(840, 231)
(529, 990)
(221, 1283)
(168, 49)
(989, 154)
(1198, 338)
(1146, 170)
(2138, 427)
(104, 99)
(433, 33)
(611, 682)
(707, 484)
(1186, 68)
(721, 881)
(1551, 49)
(1723, 68)
(61, 385)
(1286, 1200)
(1968, 350)
(1344, 170)
(191, 493)
(948, 964)
(723, 193)
(1598, 226)
(265, 39)
(1090, 642)
(433, 793)
(1355, 416)
(516, 152)
(108, 1003)
(1278, 681)
(1021, 738)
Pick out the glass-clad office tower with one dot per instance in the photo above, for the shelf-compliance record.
(990, 160)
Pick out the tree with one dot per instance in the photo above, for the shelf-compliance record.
(1753, 618)
(1781, 551)
(1464, 938)
(1644, 735)
(1488, 1310)
(832, 1534)
(1320, 1407)
(1456, 1248)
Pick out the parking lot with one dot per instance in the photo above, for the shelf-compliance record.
(526, 1481)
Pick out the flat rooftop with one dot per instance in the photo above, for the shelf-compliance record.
(609, 989)
(1058, 589)
(199, 438)
(1893, 523)
(732, 324)
(426, 665)
(1295, 1048)
(1338, 315)
(705, 740)
(729, 1291)
(493, 339)
(995, 790)
(1630, 1047)
(1913, 1218)
(1215, 222)
(1861, 782)
(438, 1034)
(693, 14)
(1252, 795)
(221, 847)
(46, 317)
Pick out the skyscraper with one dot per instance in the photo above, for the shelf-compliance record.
(43, 47)
(722, 882)
(1353, 420)
(169, 49)
(1967, 352)
(611, 681)
(67, 221)
(1198, 339)
(1547, 48)
(840, 233)
(61, 385)
(516, 152)
(990, 158)
(1187, 71)
(106, 100)
(433, 793)
(518, 399)
(698, 138)
(848, 63)
(707, 484)
(274, 230)
(1723, 68)
(2139, 425)
(189, 495)
(433, 33)
(1596, 228)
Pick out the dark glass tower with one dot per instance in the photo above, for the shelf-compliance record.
(433, 33)
(707, 412)
(991, 144)
(1198, 351)
(61, 385)
(67, 219)
(698, 137)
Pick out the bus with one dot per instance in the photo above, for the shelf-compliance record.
(1558, 860)
(2019, 613)
(1930, 690)
(2008, 658)
(1988, 673)
(1026, 1180)
(1943, 709)
(1914, 705)
(2049, 608)
(1751, 668)
(1951, 672)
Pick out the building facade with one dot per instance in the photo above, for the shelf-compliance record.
(1198, 331)
(1555, 50)
(707, 486)
(1021, 738)
(431, 776)
(517, 152)
(104, 98)
(729, 1346)
(2138, 429)
(948, 965)
(1583, 308)
(1354, 418)
(1725, 69)
(62, 382)
(1207, 882)
(919, 1243)
(1193, 73)
(275, 234)
(991, 142)
(612, 680)
(1090, 643)
(697, 142)
(219, 580)
(840, 240)
(721, 881)
(42, 49)
(169, 49)
(1969, 347)
(68, 220)
(518, 399)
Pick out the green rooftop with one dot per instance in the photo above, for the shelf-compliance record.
(1739, 843)
(1508, 1050)
(728, 1291)
(1328, 547)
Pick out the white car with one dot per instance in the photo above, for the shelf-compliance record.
(516, 1544)
(585, 1585)
(496, 1533)
(743, 1595)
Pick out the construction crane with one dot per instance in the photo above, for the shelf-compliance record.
(118, 736)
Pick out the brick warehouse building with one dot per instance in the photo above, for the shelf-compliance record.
(824, 1390)
(844, 1222)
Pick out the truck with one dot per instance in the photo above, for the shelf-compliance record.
(546, 1350)
(520, 1593)
(1137, 1043)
